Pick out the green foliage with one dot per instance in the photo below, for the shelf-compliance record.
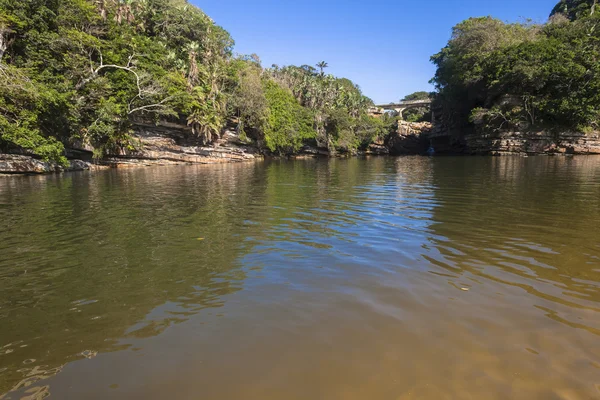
(289, 124)
(340, 127)
(22, 103)
(349, 134)
(417, 96)
(248, 98)
(419, 114)
(89, 70)
(521, 76)
(327, 97)
(575, 9)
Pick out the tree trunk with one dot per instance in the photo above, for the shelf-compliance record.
(102, 8)
(2, 45)
(4, 41)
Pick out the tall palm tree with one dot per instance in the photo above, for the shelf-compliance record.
(322, 65)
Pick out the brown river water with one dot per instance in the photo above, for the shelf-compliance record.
(384, 278)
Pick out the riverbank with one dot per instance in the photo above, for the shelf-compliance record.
(155, 145)
(165, 144)
(534, 143)
(172, 144)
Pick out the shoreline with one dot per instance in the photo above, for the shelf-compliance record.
(168, 144)
(21, 165)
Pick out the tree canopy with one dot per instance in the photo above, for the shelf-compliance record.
(417, 96)
(86, 71)
(575, 9)
(496, 75)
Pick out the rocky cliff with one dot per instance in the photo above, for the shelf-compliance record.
(411, 138)
(161, 144)
(533, 143)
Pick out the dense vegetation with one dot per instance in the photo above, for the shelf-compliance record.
(84, 71)
(419, 114)
(493, 75)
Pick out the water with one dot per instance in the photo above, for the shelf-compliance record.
(425, 278)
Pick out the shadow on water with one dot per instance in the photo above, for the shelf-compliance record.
(87, 257)
(91, 260)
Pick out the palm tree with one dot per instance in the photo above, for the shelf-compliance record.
(193, 71)
(322, 65)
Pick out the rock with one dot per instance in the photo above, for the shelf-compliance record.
(377, 149)
(20, 164)
(311, 152)
(170, 143)
(163, 144)
(542, 142)
(410, 139)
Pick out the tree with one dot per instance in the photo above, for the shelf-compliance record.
(248, 99)
(575, 9)
(289, 125)
(322, 65)
(92, 70)
(493, 75)
(417, 96)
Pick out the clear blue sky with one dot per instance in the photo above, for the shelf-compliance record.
(384, 46)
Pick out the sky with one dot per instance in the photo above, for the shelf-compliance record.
(383, 46)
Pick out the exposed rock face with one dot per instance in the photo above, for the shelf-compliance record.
(377, 149)
(20, 164)
(410, 139)
(164, 144)
(310, 152)
(173, 144)
(533, 143)
(170, 145)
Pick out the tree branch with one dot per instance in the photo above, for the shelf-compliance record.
(129, 67)
(95, 72)
(151, 107)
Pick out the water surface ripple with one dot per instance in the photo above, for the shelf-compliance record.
(427, 278)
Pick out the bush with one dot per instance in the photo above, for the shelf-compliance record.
(288, 123)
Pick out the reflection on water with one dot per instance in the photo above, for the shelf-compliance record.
(472, 278)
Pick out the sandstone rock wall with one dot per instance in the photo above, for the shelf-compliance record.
(411, 138)
(164, 144)
(533, 143)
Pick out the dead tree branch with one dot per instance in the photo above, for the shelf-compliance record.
(144, 92)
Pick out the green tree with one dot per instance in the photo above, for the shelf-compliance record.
(575, 9)
(417, 96)
(248, 99)
(322, 65)
(418, 114)
(90, 71)
(289, 124)
(493, 75)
